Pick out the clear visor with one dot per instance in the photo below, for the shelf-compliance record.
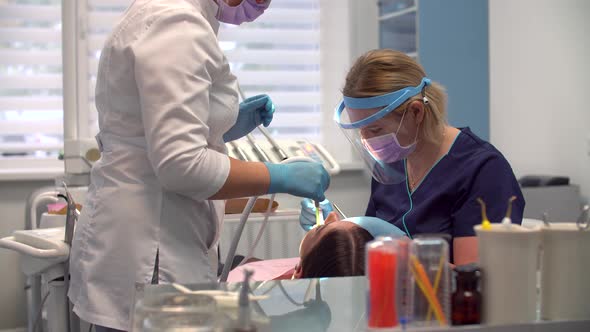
(368, 126)
(365, 141)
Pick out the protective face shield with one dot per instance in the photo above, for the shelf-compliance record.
(374, 137)
(246, 11)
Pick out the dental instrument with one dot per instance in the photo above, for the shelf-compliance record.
(318, 218)
(238, 151)
(507, 220)
(339, 211)
(485, 222)
(257, 149)
(275, 146)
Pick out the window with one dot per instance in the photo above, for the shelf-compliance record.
(278, 54)
(30, 83)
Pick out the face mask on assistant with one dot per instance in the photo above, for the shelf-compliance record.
(387, 147)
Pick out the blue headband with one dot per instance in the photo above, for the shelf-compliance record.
(391, 100)
(376, 227)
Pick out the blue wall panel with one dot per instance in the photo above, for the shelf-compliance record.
(453, 48)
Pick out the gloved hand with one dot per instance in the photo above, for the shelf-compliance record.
(307, 217)
(253, 112)
(301, 178)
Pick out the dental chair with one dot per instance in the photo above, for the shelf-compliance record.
(554, 196)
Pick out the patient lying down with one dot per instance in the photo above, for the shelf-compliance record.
(334, 249)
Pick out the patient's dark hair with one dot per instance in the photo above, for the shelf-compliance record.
(340, 253)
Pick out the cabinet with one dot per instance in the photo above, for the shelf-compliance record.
(450, 40)
(398, 25)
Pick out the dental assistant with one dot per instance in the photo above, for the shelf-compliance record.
(167, 104)
(427, 175)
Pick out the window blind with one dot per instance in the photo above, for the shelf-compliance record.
(30, 80)
(278, 54)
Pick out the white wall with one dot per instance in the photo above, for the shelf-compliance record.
(539, 71)
(348, 29)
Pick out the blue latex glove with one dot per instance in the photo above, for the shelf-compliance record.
(307, 217)
(253, 112)
(302, 178)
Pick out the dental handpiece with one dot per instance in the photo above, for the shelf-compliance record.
(238, 151)
(257, 149)
(275, 146)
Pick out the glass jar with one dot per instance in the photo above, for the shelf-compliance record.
(173, 312)
(466, 300)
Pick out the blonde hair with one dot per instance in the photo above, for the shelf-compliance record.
(382, 71)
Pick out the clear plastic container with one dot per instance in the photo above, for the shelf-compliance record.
(381, 269)
(429, 282)
(403, 300)
(174, 312)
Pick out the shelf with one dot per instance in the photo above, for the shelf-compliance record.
(399, 33)
(390, 6)
(399, 13)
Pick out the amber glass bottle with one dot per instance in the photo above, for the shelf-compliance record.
(466, 300)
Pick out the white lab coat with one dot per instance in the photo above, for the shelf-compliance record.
(165, 97)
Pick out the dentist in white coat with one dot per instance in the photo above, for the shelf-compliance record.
(167, 103)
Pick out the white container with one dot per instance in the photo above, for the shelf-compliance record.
(509, 258)
(565, 272)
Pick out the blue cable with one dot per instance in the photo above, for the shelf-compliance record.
(411, 202)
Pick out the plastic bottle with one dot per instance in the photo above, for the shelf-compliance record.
(381, 264)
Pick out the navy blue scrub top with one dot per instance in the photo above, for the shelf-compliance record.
(445, 200)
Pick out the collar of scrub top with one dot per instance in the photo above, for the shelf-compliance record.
(393, 100)
(376, 226)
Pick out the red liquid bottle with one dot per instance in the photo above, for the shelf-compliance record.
(466, 300)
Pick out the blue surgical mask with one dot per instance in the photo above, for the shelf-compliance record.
(246, 11)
